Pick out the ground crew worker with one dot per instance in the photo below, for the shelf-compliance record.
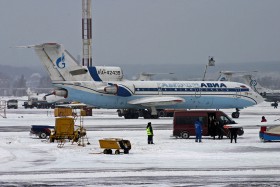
(263, 119)
(220, 129)
(214, 129)
(150, 133)
(233, 134)
(198, 130)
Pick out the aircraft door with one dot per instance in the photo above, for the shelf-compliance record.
(197, 92)
(159, 90)
(238, 92)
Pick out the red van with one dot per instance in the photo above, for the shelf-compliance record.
(183, 122)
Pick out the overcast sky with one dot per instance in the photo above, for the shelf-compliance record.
(145, 31)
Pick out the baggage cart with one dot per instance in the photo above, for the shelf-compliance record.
(108, 144)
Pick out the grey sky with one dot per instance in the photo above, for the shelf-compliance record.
(145, 31)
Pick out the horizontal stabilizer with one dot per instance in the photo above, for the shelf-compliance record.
(78, 72)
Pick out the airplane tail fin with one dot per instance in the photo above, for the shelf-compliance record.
(253, 83)
(225, 76)
(63, 67)
(59, 63)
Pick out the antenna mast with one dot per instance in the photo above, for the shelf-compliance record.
(87, 33)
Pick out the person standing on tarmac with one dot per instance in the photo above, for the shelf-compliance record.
(233, 134)
(263, 119)
(214, 129)
(150, 133)
(198, 130)
(220, 130)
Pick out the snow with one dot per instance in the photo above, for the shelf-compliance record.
(28, 160)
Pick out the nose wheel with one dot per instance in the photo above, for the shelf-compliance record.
(235, 114)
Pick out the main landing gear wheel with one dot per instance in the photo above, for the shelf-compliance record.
(235, 114)
(131, 115)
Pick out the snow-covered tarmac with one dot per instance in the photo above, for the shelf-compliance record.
(27, 160)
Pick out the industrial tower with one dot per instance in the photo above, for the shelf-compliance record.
(87, 33)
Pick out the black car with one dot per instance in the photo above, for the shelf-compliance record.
(43, 131)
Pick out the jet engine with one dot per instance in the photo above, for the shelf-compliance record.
(112, 89)
(61, 93)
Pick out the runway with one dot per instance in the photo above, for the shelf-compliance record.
(29, 161)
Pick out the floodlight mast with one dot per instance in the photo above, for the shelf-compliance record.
(87, 33)
(211, 62)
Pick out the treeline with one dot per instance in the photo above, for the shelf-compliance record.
(17, 85)
(270, 82)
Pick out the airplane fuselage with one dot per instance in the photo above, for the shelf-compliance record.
(197, 94)
(104, 87)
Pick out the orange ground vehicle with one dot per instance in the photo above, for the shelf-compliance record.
(183, 122)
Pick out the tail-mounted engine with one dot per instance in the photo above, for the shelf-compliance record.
(112, 89)
(117, 89)
(61, 93)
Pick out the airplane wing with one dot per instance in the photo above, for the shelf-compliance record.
(157, 101)
(253, 124)
(233, 126)
(72, 105)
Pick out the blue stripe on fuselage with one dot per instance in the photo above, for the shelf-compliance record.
(93, 73)
(193, 89)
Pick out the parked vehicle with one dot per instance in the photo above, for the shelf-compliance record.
(269, 133)
(183, 122)
(13, 103)
(43, 131)
(115, 143)
(39, 104)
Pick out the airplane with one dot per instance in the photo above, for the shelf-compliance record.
(268, 94)
(104, 87)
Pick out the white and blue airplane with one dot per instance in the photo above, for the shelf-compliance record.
(104, 87)
(269, 95)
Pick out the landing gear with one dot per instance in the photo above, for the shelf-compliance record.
(131, 115)
(235, 114)
(128, 113)
(147, 114)
(135, 114)
(275, 104)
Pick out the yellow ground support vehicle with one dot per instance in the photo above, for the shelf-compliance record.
(65, 126)
(64, 129)
(115, 143)
(62, 112)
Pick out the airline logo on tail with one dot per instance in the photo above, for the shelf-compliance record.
(253, 83)
(60, 62)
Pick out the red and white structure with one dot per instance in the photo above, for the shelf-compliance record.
(87, 33)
